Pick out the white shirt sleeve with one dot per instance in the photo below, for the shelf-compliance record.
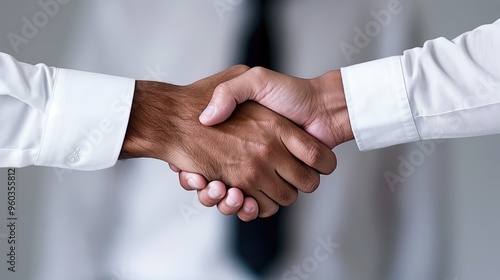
(61, 118)
(447, 89)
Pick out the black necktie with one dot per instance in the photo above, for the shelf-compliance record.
(258, 243)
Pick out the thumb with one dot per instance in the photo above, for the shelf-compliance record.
(225, 98)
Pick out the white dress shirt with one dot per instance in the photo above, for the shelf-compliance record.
(447, 89)
(71, 119)
(61, 118)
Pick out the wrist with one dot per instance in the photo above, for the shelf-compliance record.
(333, 101)
(144, 127)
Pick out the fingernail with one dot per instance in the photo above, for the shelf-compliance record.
(248, 209)
(230, 201)
(208, 112)
(214, 193)
(192, 184)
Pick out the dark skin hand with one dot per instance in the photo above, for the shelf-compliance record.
(257, 151)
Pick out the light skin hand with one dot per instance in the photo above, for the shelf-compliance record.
(229, 201)
(317, 105)
(262, 154)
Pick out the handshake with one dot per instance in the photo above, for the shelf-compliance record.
(265, 150)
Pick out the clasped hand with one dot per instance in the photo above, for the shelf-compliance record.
(264, 157)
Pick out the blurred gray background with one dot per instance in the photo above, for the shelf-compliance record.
(134, 222)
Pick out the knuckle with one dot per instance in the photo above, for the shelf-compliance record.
(259, 71)
(290, 197)
(246, 180)
(261, 76)
(263, 150)
(276, 122)
(312, 184)
(252, 171)
(240, 68)
(315, 155)
(222, 89)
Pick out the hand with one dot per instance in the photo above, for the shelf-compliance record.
(265, 156)
(229, 201)
(317, 105)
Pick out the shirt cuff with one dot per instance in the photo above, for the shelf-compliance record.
(86, 120)
(378, 105)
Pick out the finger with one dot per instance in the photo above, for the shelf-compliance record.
(231, 93)
(212, 194)
(267, 206)
(299, 175)
(192, 181)
(281, 191)
(249, 211)
(232, 202)
(174, 168)
(304, 147)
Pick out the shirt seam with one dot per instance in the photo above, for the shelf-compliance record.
(408, 101)
(48, 113)
(455, 111)
(352, 113)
